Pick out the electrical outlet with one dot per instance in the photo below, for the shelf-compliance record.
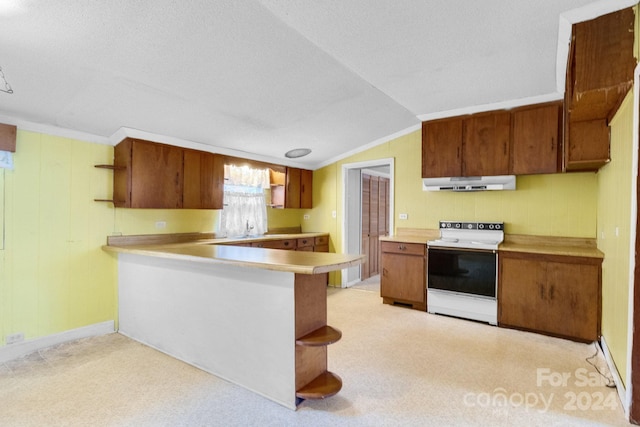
(404, 216)
(334, 214)
(161, 224)
(306, 216)
(14, 338)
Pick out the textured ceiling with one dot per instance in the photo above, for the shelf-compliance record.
(260, 77)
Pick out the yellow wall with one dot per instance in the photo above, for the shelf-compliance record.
(548, 205)
(614, 212)
(53, 274)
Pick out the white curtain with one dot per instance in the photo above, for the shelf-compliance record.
(245, 208)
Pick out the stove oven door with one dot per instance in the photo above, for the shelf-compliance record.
(462, 271)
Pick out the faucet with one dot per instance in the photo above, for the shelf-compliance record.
(248, 229)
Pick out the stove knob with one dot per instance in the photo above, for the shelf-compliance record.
(481, 226)
(490, 226)
(448, 225)
(457, 225)
(469, 226)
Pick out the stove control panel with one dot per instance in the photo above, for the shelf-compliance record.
(459, 225)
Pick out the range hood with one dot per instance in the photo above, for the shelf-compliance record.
(470, 183)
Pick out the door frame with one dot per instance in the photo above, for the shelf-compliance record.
(632, 403)
(352, 210)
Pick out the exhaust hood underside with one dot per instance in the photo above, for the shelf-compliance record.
(470, 183)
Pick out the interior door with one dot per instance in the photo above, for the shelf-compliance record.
(366, 223)
(375, 221)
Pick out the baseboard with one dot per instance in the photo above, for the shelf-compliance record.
(622, 392)
(14, 351)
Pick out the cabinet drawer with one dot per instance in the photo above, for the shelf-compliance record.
(276, 244)
(403, 248)
(306, 242)
(321, 248)
(321, 240)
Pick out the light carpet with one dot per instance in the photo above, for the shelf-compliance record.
(399, 367)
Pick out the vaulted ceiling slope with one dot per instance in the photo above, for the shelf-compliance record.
(259, 77)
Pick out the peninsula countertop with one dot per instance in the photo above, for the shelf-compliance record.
(221, 250)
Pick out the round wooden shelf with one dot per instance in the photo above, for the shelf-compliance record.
(324, 385)
(324, 335)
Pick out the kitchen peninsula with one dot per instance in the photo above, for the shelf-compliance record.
(254, 316)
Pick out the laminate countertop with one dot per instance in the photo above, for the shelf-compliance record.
(223, 251)
(545, 245)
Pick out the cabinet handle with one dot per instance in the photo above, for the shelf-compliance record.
(504, 148)
(384, 272)
(542, 292)
(551, 292)
(286, 243)
(553, 143)
(458, 153)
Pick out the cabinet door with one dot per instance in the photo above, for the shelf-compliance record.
(486, 144)
(442, 148)
(536, 139)
(203, 180)
(156, 175)
(587, 147)
(212, 181)
(192, 171)
(403, 277)
(570, 299)
(306, 189)
(519, 288)
(292, 191)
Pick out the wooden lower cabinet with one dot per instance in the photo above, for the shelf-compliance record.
(550, 294)
(309, 244)
(403, 279)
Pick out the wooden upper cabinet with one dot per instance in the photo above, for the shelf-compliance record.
(442, 148)
(599, 75)
(147, 175)
(8, 137)
(203, 180)
(526, 140)
(486, 144)
(536, 139)
(298, 188)
(153, 175)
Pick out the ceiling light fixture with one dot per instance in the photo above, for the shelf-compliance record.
(7, 86)
(297, 152)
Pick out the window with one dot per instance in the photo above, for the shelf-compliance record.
(245, 208)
